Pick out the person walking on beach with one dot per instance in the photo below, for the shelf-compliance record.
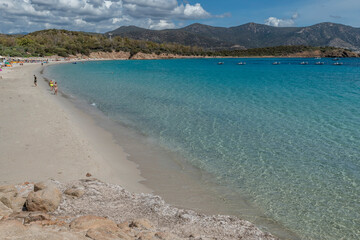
(55, 88)
(35, 81)
(51, 84)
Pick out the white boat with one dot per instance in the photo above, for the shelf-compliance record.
(241, 63)
(319, 63)
(304, 63)
(317, 58)
(276, 63)
(338, 63)
(220, 63)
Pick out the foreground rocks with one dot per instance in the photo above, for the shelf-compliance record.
(90, 209)
(46, 199)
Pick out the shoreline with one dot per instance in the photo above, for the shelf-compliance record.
(174, 179)
(104, 150)
(59, 140)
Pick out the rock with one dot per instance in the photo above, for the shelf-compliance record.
(7, 189)
(74, 192)
(124, 226)
(34, 217)
(88, 175)
(23, 190)
(4, 211)
(29, 217)
(141, 223)
(9, 197)
(18, 203)
(123, 235)
(146, 236)
(42, 185)
(165, 236)
(11, 228)
(6, 198)
(39, 186)
(46, 200)
(102, 233)
(93, 222)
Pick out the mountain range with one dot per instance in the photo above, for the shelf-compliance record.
(250, 35)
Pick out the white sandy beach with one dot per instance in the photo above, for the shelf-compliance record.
(42, 137)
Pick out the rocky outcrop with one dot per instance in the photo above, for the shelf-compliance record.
(109, 55)
(74, 192)
(46, 199)
(149, 56)
(4, 211)
(12, 197)
(109, 212)
(93, 222)
(147, 215)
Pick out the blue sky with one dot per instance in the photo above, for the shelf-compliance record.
(105, 15)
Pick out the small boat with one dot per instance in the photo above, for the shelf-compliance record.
(319, 63)
(335, 59)
(241, 63)
(317, 58)
(74, 63)
(220, 63)
(276, 63)
(338, 63)
(304, 63)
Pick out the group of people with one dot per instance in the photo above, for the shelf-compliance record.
(53, 85)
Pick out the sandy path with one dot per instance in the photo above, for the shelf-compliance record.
(41, 138)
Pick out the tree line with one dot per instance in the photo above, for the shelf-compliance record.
(65, 43)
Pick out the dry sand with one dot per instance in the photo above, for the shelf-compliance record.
(42, 137)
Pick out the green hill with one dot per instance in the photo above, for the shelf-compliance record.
(250, 35)
(65, 43)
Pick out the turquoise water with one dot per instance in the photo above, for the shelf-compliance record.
(286, 136)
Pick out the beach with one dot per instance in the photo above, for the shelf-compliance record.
(43, 138)
(46, 138)
(140, 130)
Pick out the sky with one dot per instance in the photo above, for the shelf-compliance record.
(18, 16)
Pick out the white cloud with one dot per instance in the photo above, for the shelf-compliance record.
(195, 11)
(190, 12)
(94, 15)
(277, 22)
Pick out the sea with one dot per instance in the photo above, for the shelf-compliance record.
(278, 145)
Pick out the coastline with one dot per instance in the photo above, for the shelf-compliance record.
(177, 181)
(89, 141)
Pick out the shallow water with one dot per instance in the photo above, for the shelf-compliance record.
(284, 137)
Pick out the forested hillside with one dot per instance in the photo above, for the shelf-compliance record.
(65, 43)
(250, 35)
